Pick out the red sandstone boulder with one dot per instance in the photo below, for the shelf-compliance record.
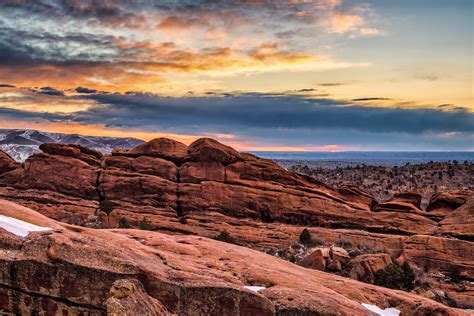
(56, 173)
(339, 254)
(142, 189)
(165, 148)
(363, 267)
(7, 163)
(207, 149)
(90, 156)
(315, 260)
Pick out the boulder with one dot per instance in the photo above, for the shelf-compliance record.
(363, 267)
(339, 254)
(165, 148)
(315, 260)
(7, 163)
(55, 173)
(207, 149)
(90, 156)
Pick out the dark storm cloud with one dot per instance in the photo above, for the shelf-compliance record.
(49, 91)
(370, 99)
(272, 119)
(331, 84)
(85, 90)
(14, 114)
(6, 85)
(271, 112)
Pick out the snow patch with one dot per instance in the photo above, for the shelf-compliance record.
(254, 288)
(19, 227)
(382, 312)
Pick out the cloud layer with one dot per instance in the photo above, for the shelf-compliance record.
(279, 119)
(123, 44)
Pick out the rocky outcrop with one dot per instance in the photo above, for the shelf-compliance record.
(74, 270)
(207, 187)
(205, 177)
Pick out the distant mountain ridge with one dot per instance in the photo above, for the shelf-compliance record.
(21, 143)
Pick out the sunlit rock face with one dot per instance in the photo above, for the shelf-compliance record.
(75, 270)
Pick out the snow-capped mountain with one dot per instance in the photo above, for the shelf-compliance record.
(20, 144)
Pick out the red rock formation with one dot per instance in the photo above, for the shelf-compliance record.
(445, 202)
(408, 202)
(409, 197)
(460, 222)
(87, 155)
(440, 254)
(363, 267)
(209, 187)
(73, 270)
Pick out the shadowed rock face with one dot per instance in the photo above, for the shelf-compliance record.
(73, 270)
(7, 163)
(209, 187)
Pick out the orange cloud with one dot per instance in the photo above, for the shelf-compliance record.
(175, 23)
(343, 23)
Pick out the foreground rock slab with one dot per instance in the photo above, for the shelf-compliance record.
(76, 270)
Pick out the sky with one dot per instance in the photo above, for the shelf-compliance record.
(318, 75)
